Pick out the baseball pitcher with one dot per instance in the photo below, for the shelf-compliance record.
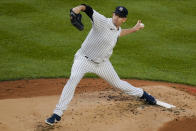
(94, 54)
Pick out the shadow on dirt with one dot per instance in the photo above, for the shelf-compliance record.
(44, 127)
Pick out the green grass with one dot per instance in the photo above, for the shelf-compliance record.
(37, 39)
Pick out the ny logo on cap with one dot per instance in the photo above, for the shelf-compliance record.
(121, 9)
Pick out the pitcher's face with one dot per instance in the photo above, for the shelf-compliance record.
(118, 20)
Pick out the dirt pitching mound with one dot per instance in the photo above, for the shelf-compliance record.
(182, 124)
(97, 107)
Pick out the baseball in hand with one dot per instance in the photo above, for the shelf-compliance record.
(141, 24)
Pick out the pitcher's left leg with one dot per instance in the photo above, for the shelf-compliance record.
(107, 72)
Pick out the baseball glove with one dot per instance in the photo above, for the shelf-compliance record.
(76, 20)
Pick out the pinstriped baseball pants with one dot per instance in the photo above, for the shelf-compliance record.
(105, 70)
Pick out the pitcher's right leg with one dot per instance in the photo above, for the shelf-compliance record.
(65, 98)
(67, 93)
(79, 68)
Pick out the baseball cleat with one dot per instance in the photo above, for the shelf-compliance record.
(53, 119)
(148, 98)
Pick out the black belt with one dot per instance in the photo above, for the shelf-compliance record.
(91, 59)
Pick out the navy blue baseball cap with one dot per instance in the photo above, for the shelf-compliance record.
(121, 11)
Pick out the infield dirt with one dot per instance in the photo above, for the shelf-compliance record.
(96, 106)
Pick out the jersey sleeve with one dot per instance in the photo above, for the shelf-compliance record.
(97, 19)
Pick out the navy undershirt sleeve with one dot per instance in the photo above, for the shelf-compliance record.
(88, 11)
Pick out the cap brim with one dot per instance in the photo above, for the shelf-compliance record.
(120, 15)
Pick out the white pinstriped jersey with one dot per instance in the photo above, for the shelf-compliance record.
(101, 40)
